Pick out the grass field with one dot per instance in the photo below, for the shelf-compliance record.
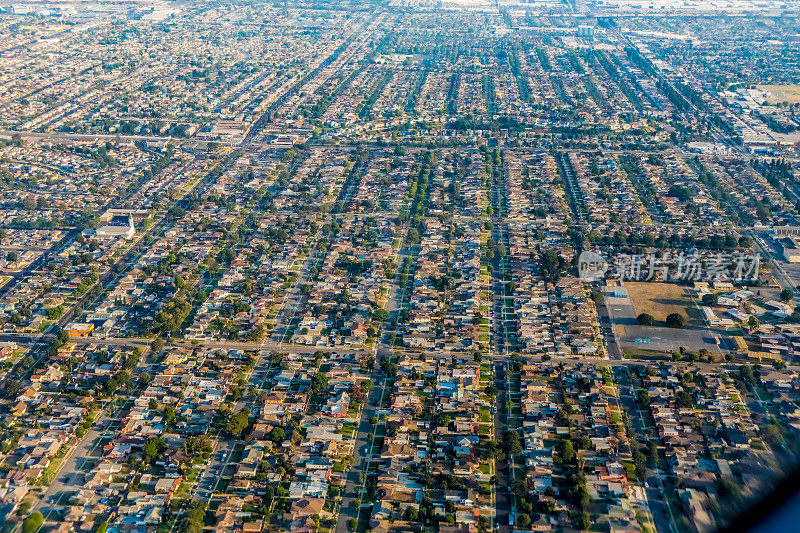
(782, 93)
(641, 353)
(662, 299)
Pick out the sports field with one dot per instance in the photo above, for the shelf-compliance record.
(782, 93)
(662, 299)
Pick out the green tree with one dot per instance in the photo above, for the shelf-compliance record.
(566, 451)
(195, 518)
(552, 264)
(153, 447)
(319, 383)
(747, 374)
(772, 434)
(157, 345)
(645, 319)
(513, 444)
(676, 320)
(196, 446)
(763, 213)
(684, 399)
(277, 435)
(643, 398)
(410, 514)
(33, 522)
(238, 422)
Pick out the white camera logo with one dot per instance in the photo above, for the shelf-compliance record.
(591, 266)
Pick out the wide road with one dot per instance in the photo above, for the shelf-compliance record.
(372, 406)
(143, 342)
(208, 480)
(654, 490)
(76, 461)
(780, 274)
(361, 456)
(502, 495)
(85, 454)
(607, 328)
(271, 346)
(90, 137)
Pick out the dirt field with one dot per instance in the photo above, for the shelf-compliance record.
(661, 299)
(782, 93)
